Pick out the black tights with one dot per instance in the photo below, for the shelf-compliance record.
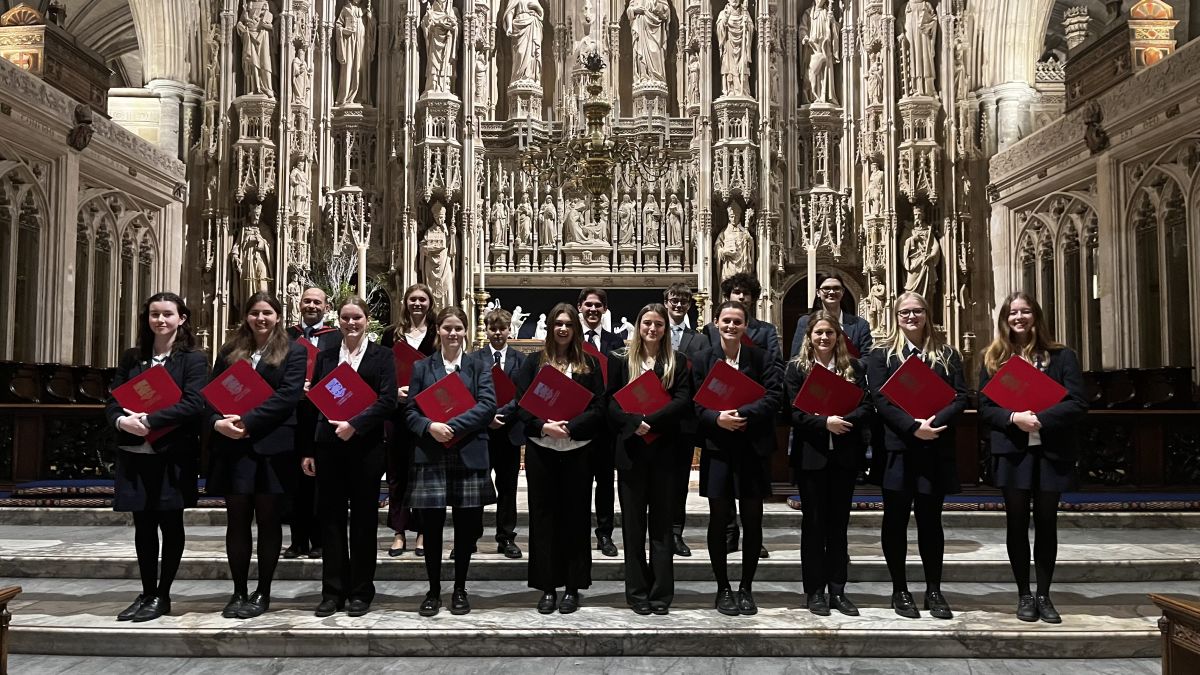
(146, 525)
(468, 527)
(241, 510)
(931, 541)
(1045, 536)
(721, 510)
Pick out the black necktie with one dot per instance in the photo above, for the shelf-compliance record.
(496, 355)
(909, 351)
(308, 331)
(591, 336)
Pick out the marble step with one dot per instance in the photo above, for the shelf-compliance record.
(972, 555)
(75, 616)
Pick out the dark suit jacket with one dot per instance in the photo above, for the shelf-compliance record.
(426, 347)
(512, 363)
(759, 433)
(271, 427)
(856, 328)
(810, 437)
(1060, 422)
(327, 336)
(378, 370)
(587, 425)
(665, 423)
(189, 370)
(764, 335)
(899, 426)
(692, 342)
(608, 340)
(470, 428)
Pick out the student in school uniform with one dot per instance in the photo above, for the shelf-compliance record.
(593, 303)
(156, 480)
(687, 341)
(254, 455)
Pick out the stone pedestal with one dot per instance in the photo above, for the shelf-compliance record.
(735, 148)
(675, 259)
(547, 259)
(525, 100)
(255, 146)
(524, 258)
(650, 99)
(498, 258)
(439, 152)
(627, 258)
(919, 171)
(586, 257)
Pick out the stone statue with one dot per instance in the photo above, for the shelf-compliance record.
(921, 255)
(674, 221)
(821, 33)
(574, 228)
(873, 198)
(597, 229)
(651, 223)
(525, 221)
(548, 232)
(499, 218)
(301, 76)
(518, 319)
(874, 307)
(523, 23)
(693, 76)
(539, 332)
(874, 79)
(920, 34)
(354, 42)
(293, 301)
(212, 86)
(626, 328)
(735, 247)
(440, 25)
(436, 259)
(255, 26)
(483, 65)
(254, 256)
(299, 184)
(626, 227)
(735, 36)
(648, 21)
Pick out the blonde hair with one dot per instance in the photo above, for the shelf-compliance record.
(808, 352)
(403, 320)
(935, 350)
(636, 354)
(1003, 347)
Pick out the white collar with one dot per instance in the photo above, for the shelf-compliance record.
(452, 365)
(826, 366)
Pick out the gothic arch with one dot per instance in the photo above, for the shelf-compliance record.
(24, 233)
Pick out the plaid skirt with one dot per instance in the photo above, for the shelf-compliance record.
(448, 483)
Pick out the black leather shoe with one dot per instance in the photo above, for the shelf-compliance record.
(255, 605)
(357, 607)
(818, 604)
(659, 607)
(548, 603)
(458, 602)
(396, 552)
(509, 549)
(419, 552)
(328, 607)
(745, 601)
(235, 603)
(1046, 610)
(292, 552)
(641, 607)
(431, 604)
(314, 553)
(936, 603)
(570, 602)
(681, 547)
(726, 602)
(131, 611)
(842, 604)
(606, 546)
(152, 609)
(1026, 609)
(762, 552)
(904, 605)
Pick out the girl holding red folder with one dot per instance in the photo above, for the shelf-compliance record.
(253, 454)
(646, 459)
(734, 463)
(557, 468)
(450, 461)
(1033, 454)
(920, 469)
(826, 455)
(156, 480)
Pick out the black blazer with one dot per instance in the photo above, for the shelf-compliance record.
(810, 437)
(271, 427)
(608, 340)
(470, 428)
(764, 336)
(426, 347)
(856, 328)
(378, 370)
(587, 425)
(513, 359)
(759, 432)
(691, 343)
(1060, 422)
(899, 426)
(665, 423)
(190, 372)
(327, 336)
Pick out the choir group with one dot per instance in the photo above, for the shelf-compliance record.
(642, 408)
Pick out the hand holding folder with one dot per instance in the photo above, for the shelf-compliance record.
(727, 389)
(342, 394)
(237, 390)
(405, 358)
(917, 390)
(644, 396)
(1019, 386)
(554, 397)
(826, 394)
(446, 399)
(152, 390)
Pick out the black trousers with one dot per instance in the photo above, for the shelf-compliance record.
(647, 502)
(348, 474)
(603, 465)
(681, 474)
(825, 497)
(303, 519)
(931, 540)
(560, 495)
(506, 463)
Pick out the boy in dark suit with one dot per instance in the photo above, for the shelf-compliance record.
(689, 342)
(593, 302)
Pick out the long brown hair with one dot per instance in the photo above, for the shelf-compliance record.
(575, 353)
(808, 352)
(242, 345)
(935, 349)
(1003, 347)
(403, 321)
(636, 352)
(447, 312)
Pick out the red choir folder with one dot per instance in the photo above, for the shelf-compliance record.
(747, 341)
(589, 348)
(342, 394)
(644, 396)
(553, 396)
(405, 357)
(310, 356)
(152, 390)
(1020, 386)
(727, 389)
(850, 348)
(237, 390)
(826, 393)
(446, 399)
(917, 390)
(506, 391)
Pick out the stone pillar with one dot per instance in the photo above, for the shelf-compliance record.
(1012, 112)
